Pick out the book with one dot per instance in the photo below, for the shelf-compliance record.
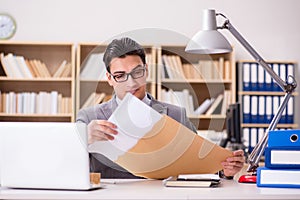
(5, 65)
(168, 67)
(282, 157)
(93, 99)
(204, 106)
(60, 69)
(187, 71)
(33, 68)
(226, 102)
(215, 105)
(281, 178)
(192, 180)
(93, 67)
(23, 67)
(42, 68)
(11, 63)
(30, 68)
(67, 70)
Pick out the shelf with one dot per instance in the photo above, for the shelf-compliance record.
(47, 67)
(198, 77)
(258, 105)
(207, 117)
(191, 81)
(36, 117)
(2, 78)
(262, 93)
(267, 125)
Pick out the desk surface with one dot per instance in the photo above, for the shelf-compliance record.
(154, 189)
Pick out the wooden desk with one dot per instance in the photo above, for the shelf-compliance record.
(153, 189)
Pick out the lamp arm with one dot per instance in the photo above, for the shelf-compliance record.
(254, 54)
(258, 150)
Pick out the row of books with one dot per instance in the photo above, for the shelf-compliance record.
(282, 160)
(180, 98)
(173, 68)
(93, 67)
(96, 98)
(255, 78)
(217, 105)
(214, 136)
(35, 103)
(16, 66)
(251, 136)
(261, 109)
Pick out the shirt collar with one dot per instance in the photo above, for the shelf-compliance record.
(146, 100)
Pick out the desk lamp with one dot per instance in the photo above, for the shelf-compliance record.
(211, 41)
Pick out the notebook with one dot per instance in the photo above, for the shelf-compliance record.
(193, 180)
(44, 155)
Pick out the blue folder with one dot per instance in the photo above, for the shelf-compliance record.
(278, 178)
(284, 138)
(282, 157)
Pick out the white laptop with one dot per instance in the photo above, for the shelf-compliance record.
(44, 155)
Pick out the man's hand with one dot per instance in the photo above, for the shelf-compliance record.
(234, 164)
(100, 130)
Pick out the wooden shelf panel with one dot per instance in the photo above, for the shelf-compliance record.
(207, 116)
(36, 117)
(7, 79)
(212, 123)
(262, 93)
(267, 125)
(211, 81)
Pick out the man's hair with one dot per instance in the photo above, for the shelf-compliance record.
(120, 48)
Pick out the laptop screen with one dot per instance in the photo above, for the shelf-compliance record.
(50, 155)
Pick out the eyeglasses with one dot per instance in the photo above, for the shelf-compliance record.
(136, 73)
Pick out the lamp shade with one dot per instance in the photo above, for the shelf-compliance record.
(208, 40)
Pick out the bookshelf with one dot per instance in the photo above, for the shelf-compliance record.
(28, 90)
(91, 81)
(260, 98)
(203, 77)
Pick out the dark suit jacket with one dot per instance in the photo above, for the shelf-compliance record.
(99, 163)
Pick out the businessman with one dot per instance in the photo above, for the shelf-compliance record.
(127, 71)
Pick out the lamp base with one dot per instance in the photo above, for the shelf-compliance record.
(247, 178)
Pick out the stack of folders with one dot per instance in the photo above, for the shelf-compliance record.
(282, 160)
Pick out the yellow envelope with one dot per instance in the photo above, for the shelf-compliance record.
(171, 149)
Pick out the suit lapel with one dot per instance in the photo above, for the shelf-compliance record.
(156, 105)
(159, 108)
(110, 107)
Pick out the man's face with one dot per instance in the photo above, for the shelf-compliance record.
(118, 67)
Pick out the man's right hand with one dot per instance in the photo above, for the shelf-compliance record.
(101, 130)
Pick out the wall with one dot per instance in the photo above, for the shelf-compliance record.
(269, 25)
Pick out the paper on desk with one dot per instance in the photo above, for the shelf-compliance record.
(155, 146)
